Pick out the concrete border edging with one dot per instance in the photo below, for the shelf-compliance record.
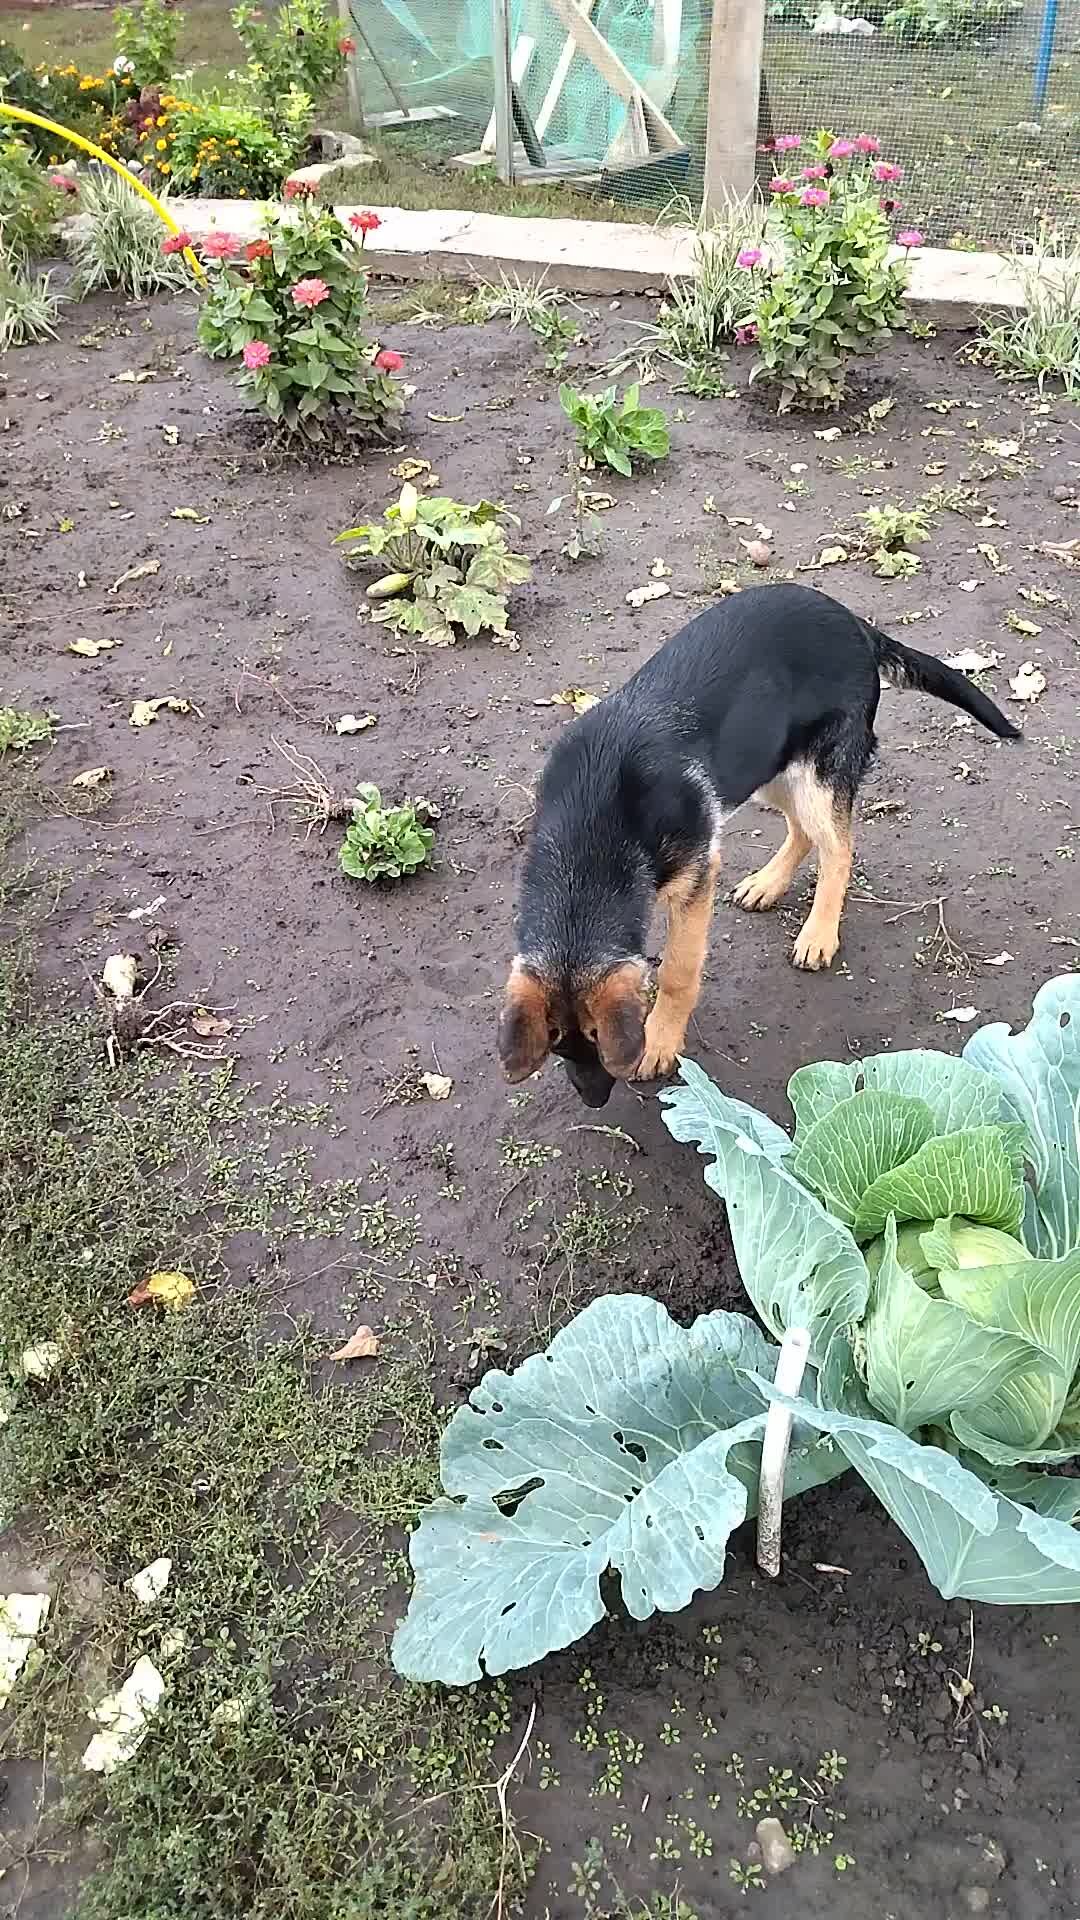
(949, 290)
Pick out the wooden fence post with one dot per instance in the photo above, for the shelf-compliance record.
(502, 91)
(735, 43)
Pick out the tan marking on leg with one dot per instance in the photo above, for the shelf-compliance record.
(688, 902)
(829, 827)
(761, 890)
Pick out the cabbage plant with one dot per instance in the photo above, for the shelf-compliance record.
(922, 1222)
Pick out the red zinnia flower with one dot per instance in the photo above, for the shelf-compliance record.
(221, 246)
(347, 45)
(364, 222)
(176, 242)
(258, 250)
(310, 293)
(388, 361)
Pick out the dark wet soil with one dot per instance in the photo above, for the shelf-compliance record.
(511, 1209)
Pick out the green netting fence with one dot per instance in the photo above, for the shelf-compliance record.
(979, 100)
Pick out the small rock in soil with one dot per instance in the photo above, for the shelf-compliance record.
(993, 1859)
(975, 1899)
(777, 1852)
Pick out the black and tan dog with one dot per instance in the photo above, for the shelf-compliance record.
(771, 695)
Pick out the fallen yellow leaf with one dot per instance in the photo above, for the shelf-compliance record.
(144, 711)
(136, 573)
(361, 1345)
(172, 1290)
(439, 1085)
(89, 649)
(93, 777)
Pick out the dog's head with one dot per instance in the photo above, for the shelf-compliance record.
(598, 1029)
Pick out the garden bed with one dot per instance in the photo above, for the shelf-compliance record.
(140, 510)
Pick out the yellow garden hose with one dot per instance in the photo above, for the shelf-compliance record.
(65, 133)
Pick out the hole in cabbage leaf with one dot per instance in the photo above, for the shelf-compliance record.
(633, 1448)
(1064, 1019)
(493, 1446)
(510, 1499)
(509, 1608)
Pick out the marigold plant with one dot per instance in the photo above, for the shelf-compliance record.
(836, 293)
(291, 310)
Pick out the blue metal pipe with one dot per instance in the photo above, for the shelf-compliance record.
(1045, 54)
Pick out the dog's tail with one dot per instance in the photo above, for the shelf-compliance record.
(904, 667)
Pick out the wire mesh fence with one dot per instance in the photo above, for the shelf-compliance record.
(610, 97)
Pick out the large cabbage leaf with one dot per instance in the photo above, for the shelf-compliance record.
(977, 1172)
(1038, 1075)
(924, 1359)
(975, 1542)
(957, 1093)
(632, 1444)
(799, 1265)
(855, 1144)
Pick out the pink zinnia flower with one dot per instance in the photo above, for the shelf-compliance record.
(221, 246)
(841, 149)
(310, 293)
(814, 197)
(781, 186)
(912, 238)
(176, 242)
(787, 142)
(347, 45)
(889, 206)
(256, 355)
(746, 335)
(866, 143)
(749, 257)
(63, 183)
(388, 361)
(815, 173)
(299, 189)
(886, 171)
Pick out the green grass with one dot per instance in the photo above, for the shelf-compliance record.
(329, 1790)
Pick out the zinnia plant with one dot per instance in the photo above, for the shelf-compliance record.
(291, 310)
(836, 293)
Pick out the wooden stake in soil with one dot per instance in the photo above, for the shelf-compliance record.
(790, 1367)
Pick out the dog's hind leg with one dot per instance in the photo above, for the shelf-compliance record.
(825, 817)
(761, 890)
(688, 903)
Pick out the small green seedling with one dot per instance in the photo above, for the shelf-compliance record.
(612, 433)
(385, 843)
(20, 729)
(889, 533)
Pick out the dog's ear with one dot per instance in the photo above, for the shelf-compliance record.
(524, 1028)
(618, 1009)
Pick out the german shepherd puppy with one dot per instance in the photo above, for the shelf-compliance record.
(770, 695)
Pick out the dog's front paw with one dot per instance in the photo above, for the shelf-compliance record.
(759, 891)
(816, 946)
(664, 1041)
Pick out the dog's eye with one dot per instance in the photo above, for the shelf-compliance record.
(590, 1034)
(554, 1036)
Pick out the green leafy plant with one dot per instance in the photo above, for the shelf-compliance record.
(451, 566)
(946, 19)
(117, 242)
(299, 48)
(613, 433)
(385, 843)
(948, 1386)
(21, 728)
(295, 316)
(701, 312)
(230, 147)
(29, 204)
(146, 41)
(88, 103)
(837, 294)
(888, 533)
(1041, 341)
(28, 307)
